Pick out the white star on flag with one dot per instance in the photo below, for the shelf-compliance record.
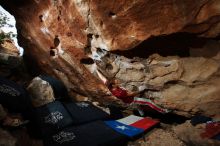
(122, 127)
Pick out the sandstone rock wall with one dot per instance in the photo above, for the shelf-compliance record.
(123, 24)
(39, 22)
(187, 85)
(92, 27)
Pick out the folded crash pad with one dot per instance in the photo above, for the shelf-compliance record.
(13, 96)
(91, 134)
(83, 112)
(52, 117)
(132, 126)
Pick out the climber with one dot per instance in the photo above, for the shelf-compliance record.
(133, 97)
(116, 90)
(119, 92)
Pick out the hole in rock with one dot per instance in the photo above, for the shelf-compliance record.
(58, 18)
(109, 66)
(101, 23)
(111, 14)
(52, 53)
(86, 61)
(89, 39)
(69, 34)
(96, 36)
(56, 41)
(99, 50)
(89, 35)
(87, 50)
(41, 18)
(167, 45)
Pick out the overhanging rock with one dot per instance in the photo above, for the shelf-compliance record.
(83, 27)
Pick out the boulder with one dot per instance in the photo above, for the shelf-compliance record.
(8, 47)
(190, 135)
(187, 85)
(110, 25)
(41, 92)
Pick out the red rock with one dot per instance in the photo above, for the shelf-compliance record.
(110, 25)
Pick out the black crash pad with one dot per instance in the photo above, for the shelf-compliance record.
(91, 134)
(59, 88)
(13, 96)
(52, 117)
(83, 112)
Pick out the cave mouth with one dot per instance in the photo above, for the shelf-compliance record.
(148, 76)
(177, 44)
(8, 26)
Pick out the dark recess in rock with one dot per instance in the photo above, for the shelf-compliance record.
(167, 45)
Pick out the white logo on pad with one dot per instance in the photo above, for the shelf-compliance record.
(63, 137)
(53, 118)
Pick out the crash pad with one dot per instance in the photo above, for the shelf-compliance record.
(132, 126)
(52, 117)
(83, 112)
(96, 133)
(13, 97)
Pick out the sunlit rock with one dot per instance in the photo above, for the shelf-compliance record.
(41, 92)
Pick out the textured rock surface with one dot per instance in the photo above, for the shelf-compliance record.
(124, 24)
(190, 135)
(18, 137)
(41, 92)
(24, 139)
(38, 28)
(163, 138)
(6, 139)
(9, 58)
(208, 50)
(8, 47)
(187, 85)
(86, 27)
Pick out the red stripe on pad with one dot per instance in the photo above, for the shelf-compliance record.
(145, 123)
(151, 105)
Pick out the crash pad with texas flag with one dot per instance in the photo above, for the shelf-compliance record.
(132, 125)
